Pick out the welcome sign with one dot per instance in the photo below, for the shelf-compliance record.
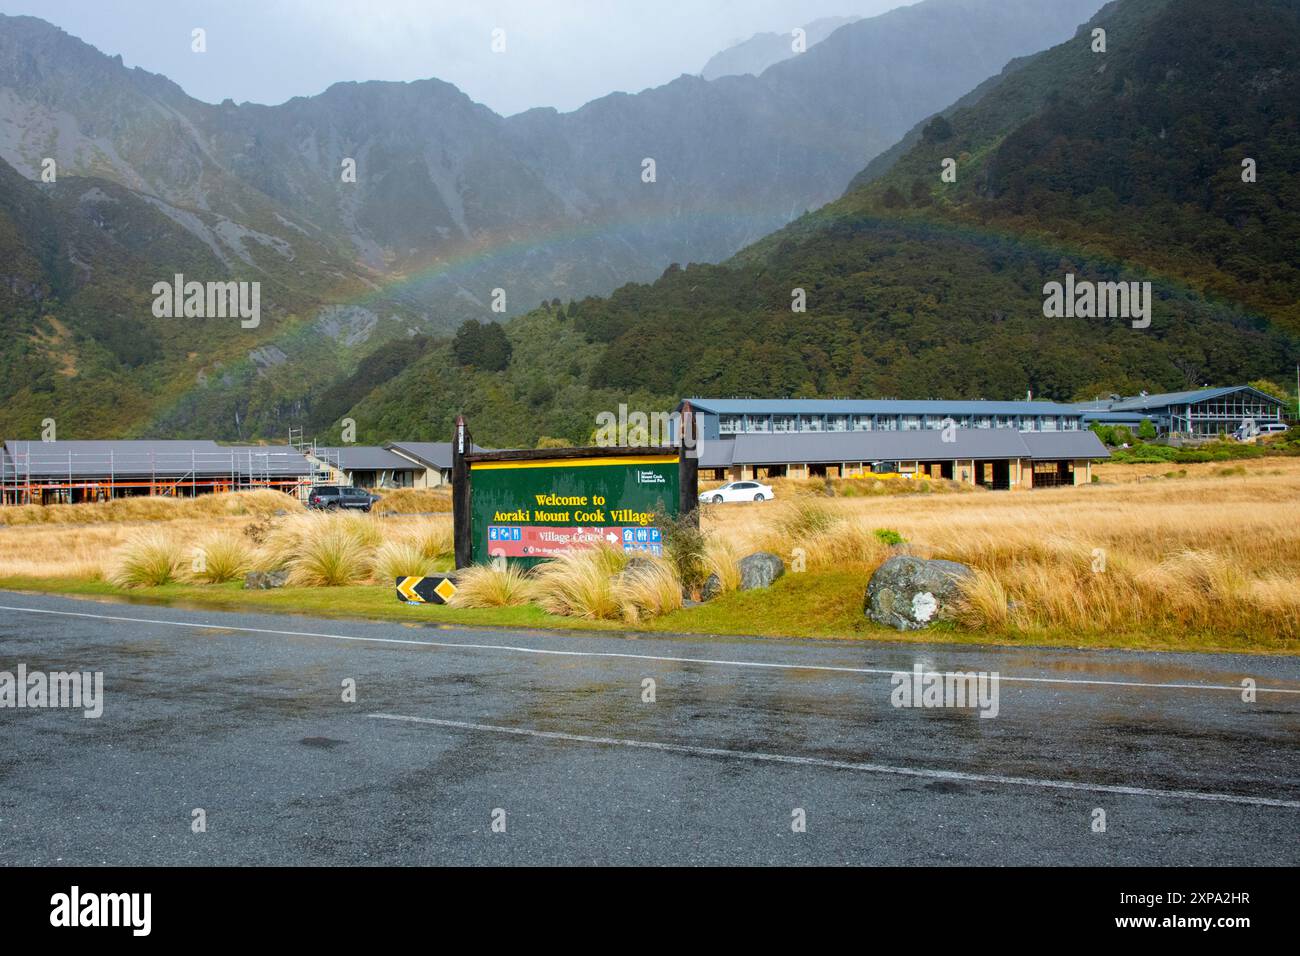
(528, 509)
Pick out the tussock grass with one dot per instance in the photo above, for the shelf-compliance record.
(220, 557)
(486, 585)
(722, 557)
(232, 503)
(581, 584)
(1203, 554)
(401, 558)
(288, 539)
(801, 518)
(815, 535)
(434, 537)
(148, 559)
(413, 501)
(1180, 559)
(646, 589)
(329, 550)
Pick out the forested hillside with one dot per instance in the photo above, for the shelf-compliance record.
(378, 212)
(1124, 165)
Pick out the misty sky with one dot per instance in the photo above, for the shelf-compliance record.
(559, 53)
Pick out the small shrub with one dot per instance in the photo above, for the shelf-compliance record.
(257, 530)
(686, 548)
(888, 536)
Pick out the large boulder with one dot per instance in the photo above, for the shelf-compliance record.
(908, 593)
(265, 580)
(759, 570)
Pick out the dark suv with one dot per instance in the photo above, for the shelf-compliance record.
(332, 497)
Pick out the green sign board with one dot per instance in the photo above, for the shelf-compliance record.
(528, 510)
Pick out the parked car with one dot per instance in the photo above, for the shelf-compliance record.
(1248, 431)
(739, 491)
(333, 497)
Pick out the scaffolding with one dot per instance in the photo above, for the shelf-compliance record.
(41, 473)
(332, 474)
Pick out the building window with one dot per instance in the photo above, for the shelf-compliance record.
(759, 423)
(983, 421)
(1049, 423)
(863, 423)
(782, 423)
(1028, 423)
(810, 423)
(887, 423)
(911, 423)
(933, 423)
(837, 423)
(1006, 421)
(729, 424)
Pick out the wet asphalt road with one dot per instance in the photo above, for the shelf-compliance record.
(252, 728)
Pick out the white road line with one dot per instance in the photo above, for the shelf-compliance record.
(516, 649)
(848, 765)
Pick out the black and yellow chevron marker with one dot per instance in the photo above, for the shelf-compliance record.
(426, 590)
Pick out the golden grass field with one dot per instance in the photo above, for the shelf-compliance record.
(1213, 550)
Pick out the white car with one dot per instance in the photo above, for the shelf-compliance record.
(739, 491)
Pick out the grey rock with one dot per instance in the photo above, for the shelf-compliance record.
(712, 588)
(265, 580)
(908, 593)
(759, 570)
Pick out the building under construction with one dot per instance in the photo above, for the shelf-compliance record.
(39, 472)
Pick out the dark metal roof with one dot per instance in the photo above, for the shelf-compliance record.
(1161, 400)
(928, 445)
(149, 458)
(883, 406)
(431, 454)
(1046, 446)
(365, 458)
(716, 454)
